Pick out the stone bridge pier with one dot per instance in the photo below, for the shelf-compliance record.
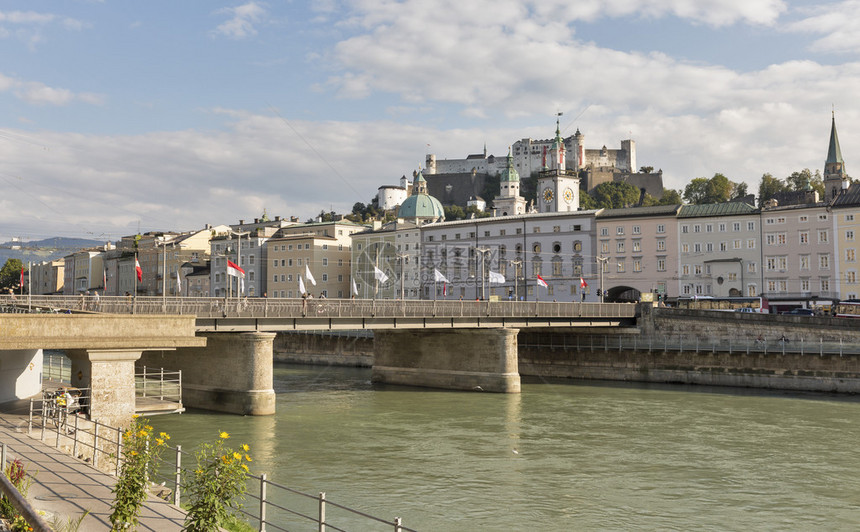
(232, 373)
(455, 359)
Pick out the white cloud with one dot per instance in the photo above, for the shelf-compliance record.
(29, 25)
(244, 17)
(38, 93)
(838, 24)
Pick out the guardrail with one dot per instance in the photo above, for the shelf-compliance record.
(11, 493)
(210, 307)
(155, 383)
(797, 345)
(96, 442)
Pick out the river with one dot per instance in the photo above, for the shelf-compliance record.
(563, 455)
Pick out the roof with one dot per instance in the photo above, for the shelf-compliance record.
(716, 209)
(847, 198)
(654, 210)
(421, 206)
(834, 153)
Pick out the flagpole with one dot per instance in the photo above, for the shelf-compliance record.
(29, 286)
(134, 274)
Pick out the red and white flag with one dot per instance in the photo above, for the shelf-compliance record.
(541, 282)
(22, 276)
(234, 269)
(139, 270)
(582, 283)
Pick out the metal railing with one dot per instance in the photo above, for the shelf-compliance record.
(11, 493)
(770, 345)
(56, 367)
(210, 307)
(101, 446)
(156, 383)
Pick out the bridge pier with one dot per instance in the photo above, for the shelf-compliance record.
(109, 373)
(455, 359)
(232, 374)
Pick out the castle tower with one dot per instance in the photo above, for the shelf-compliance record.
(835, 178)
(509, 202)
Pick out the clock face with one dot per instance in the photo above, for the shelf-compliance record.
(547, 195)
(568, 195)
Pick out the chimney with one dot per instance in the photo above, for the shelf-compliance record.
(256, 220)
(241, 222)
(277, 218)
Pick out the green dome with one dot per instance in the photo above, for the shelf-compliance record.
(509, 173)
(422, 206)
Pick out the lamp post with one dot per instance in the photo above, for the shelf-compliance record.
(238, 258)
(600, 262)
(163, 243)
(483, 251)
(517, 263)
(402, 257)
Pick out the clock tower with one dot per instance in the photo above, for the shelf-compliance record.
(557, 187)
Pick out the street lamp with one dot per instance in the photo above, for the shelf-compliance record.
(163, 243)
(238, 258)
(483, 252)
(601, 261)
(402, 257)
(517, 263)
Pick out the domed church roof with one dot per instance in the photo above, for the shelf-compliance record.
(421, 206)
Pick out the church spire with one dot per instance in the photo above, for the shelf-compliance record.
(835, 178)
(834, 153)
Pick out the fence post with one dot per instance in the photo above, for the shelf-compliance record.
(30, 421)
(75, 441)
(144, 381)
(177, 475)
(161, 386)
(42, 437)
(263, 503)
(397, 524)
(3, 459)
(96, 446)
(118, 450)
(322, 512)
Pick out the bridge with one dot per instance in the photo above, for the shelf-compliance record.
(226, 355)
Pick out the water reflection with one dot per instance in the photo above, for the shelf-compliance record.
(589, 455)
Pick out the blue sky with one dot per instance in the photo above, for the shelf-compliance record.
(169, 115)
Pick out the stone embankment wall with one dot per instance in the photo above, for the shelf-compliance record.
(324, 349)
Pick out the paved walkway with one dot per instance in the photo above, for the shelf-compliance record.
(67, 487)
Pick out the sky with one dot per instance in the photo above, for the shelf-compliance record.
(125, 117)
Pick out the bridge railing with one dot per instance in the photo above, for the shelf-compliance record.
(211, 307)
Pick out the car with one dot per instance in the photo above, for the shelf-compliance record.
(801, 312)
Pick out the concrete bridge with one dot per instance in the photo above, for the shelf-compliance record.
(227, 361)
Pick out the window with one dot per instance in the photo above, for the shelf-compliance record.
(620, 266)
(803, 218)
(685, 269)
(804, 285)
(780, 239)
(555, 229)
(849, 217)
(697, 269)
(822, 217)
(709, 228)
(751, 243)
(619, 246)
(851, 277)
(751, 267)
(770, 263)
(604, 247)
(577, 246)
(849, 235)
(637, 230)
(619, 230)
(822, 237)
(824, 262)
(825, 285)
(325, 277)
(804, 262)
(536, 247)
(750, 226)
(736, 226)
(275, 263)
(732, 276)
(661, 228)
(736, 244)
(722, 227)
(501, 232)
(685, 229)
(849, 255)
(637, 246)
(536, 229)
(274, 279)
(697, 247)
(661, 244)
(697, 228)
(556, 268)
(661, 265)
(637, 265)
(685, 248)
(804, 237)
(604, 231)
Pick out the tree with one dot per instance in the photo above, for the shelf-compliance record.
(670, 197)
(701, 190)
(769, 187)
(615, 195)
(806, 180)
(740, 190)
(586, 202)
(646, 169)
(10, 275)
(454, 212)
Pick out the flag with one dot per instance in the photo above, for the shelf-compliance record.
(178, 283)
(444, 289)
(139, 270)
(241, 285)
(496, 278)
(104, 280)
(541, 282)
(379, 274)
(301, 286)
(234, 269)
(22, 275)
(309, 276)
(438, 277)
(582, 283)
(354, 287)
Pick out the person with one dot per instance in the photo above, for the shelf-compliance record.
(760, 339)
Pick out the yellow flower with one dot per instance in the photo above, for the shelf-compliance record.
(164, 435)
(148, 428)
(224, 435)
(159, 441)
(135, 416)
(237, 456)
(245, 447)
(244, 467)
(248, 458)
(134, 453)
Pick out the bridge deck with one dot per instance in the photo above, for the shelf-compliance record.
(270, 314)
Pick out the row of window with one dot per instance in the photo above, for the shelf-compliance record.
(288, 278)
(721, 227)
(803, 218)
(781, 262)
(300, 262)
(780, 285)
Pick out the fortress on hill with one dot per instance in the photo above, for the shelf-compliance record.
(457, 181)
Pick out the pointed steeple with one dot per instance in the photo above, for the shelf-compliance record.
(834, 153)
(510, 173)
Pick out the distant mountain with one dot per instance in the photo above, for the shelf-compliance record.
(44, 250)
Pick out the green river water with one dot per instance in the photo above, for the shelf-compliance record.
(563, 455)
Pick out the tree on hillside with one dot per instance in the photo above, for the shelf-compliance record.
(646, 169)
(740, 190)
(454, 212)
(769, 187)
(10, 275)
(586, 202)
(701, 190)
(804, 180)
(614, 195)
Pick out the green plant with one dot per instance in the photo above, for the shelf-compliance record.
(141, 453)
(18, 476)
(216, 484)
(70, 525)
